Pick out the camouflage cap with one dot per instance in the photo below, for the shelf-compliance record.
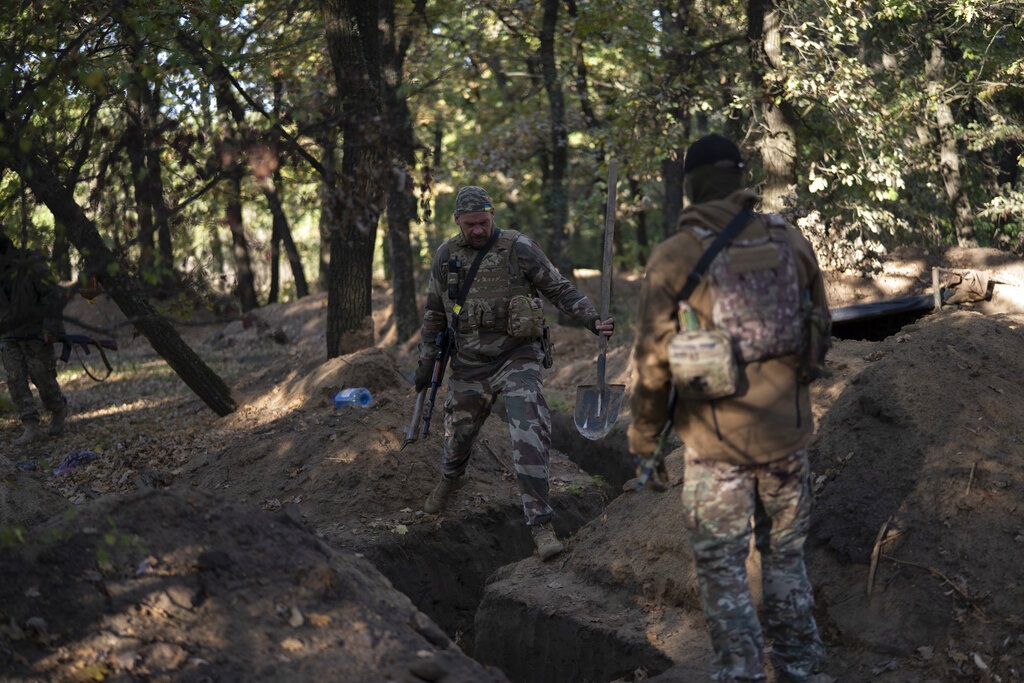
(471, 199)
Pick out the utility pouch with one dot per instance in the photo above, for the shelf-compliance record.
(547, 347)
(702, 363)
(525, 317)
(454, 270)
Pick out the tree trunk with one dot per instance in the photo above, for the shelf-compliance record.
(353, 205)
(678, 52)
(949, 153)
(778, 146)
(246, 281)
(556, 206)
(672, 180)
(401, 201)
(124, 290)
(643, 240)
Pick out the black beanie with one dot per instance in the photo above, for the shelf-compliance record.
(709, 150)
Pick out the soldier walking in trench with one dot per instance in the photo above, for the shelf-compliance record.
(746, 467)
(484, 286)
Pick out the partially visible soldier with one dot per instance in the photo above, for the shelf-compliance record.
(31, 321)
(498, 350)
(746, 468)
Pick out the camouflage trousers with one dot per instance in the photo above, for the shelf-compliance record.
(469, 403)
(723, 505)
(36, 361)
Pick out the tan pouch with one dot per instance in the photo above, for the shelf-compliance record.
(703, 365)
(525, 317)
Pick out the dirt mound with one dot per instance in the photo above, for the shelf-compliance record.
(918, 479)
(159, 586)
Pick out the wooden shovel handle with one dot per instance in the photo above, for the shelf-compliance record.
(606, 267)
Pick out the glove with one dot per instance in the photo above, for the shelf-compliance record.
(424, 371)
(651, 473)
(600, 327)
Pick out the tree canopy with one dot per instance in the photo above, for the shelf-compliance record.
(185, 147)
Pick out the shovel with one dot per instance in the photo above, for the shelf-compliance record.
(597, 406)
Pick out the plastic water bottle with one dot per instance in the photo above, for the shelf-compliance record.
(353, 397)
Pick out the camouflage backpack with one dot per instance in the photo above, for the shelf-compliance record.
(756, 309)
(756, 293)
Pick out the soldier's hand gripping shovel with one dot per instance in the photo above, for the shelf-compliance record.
(597, 405)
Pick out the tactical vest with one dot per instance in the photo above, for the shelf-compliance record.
(497, 281)
(755, 290)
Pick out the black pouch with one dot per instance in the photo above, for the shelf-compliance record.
(547, 347)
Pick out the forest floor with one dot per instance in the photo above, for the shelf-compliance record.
(180, 546)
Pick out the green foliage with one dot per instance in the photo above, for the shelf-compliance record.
(640, 79)
(11, 535)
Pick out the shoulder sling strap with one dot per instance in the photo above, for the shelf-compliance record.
(473, 268)
(738, 222)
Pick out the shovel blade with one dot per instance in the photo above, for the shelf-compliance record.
(597, 409)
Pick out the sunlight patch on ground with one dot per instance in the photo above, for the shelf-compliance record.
(345, 456)
(119, 409)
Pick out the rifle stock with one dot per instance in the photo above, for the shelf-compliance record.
(414, 423)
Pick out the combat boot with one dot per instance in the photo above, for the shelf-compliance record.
(438, 498)
(546, 541)
(58, 419)
(30, 435)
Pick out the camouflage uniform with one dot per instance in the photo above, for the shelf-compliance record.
(31, 302)
(720, 500)
(746, 469)
(488, 361)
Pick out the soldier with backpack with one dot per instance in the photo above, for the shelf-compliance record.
(741, 407)
(31, 309)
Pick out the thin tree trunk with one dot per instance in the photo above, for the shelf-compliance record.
(556, 205)
(949, 153)
(246, 282)
(778, 145)
(401, 201)
(672, 182)
(678, 53)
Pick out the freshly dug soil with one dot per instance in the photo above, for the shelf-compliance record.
(286, 541)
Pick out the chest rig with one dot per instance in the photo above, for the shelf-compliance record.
(497, 281)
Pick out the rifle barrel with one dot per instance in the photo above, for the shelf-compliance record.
(414, 423)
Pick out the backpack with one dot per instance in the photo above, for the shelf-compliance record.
(757, 309)
(755, 289)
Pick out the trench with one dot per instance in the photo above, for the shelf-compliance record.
(876, 320)
(445, 570)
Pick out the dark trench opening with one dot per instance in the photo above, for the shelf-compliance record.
(444, 568)
(876, 320)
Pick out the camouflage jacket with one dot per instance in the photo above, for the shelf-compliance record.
(514, 265)
(770, 415)
(31, 299)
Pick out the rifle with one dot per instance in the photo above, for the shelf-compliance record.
(71, 340)
(424, 408)
(84, 342)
